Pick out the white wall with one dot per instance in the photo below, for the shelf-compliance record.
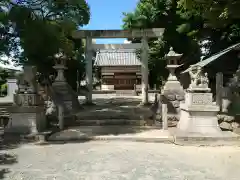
(105, 87)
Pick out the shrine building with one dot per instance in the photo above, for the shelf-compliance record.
(120, 69)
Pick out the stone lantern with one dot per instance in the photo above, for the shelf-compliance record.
(60, 60)
(63, 96)
(172, 91)
(172, 59)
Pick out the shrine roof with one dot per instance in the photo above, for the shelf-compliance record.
(119, 57)
(214, 57)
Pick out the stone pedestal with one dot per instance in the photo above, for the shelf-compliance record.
(26, 120)
(62, 94)
(199, 114)
(198, 117)
(173, 92)
(27, 115)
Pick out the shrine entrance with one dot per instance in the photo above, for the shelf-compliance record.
(142, 34)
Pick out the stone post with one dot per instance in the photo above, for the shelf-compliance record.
(219, 89)
(227, 97)
(89, 78)
(144, 70)
(164, 117)
(155, 87)
(61, 117)
(135, 90)
(159, 108)
(156, 98)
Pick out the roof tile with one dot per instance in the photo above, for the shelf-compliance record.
(122, 57)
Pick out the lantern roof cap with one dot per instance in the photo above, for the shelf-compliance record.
(172, 53)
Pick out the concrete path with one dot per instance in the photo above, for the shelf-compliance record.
(120, 161)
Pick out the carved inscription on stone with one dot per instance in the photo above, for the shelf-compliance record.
(201, 98)
(27, 99)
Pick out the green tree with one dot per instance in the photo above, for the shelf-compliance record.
(190, 25)
(216, 13)
(220, 28)
(220, 21)
(164, 14)
(42, 28)
(7, 36)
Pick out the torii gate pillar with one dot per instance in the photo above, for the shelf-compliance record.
(144, 71)
(89, 64)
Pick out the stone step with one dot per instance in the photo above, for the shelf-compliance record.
(89, 131)
(65, 96)
(124, 92)
(120, 117)
(108, 122)
(61, 89)
(4, 112)
(62, 92)
(102, 115)
(123, 122)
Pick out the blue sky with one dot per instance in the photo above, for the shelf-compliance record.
(107, 14)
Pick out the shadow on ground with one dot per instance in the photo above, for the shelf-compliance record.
(110, 116)
(8, 142)
(115, 108)
(6, 159)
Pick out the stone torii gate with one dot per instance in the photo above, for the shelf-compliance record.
(144, 34)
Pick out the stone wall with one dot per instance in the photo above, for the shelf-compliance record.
(229, 123)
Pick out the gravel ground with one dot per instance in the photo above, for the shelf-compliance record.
(120, 161)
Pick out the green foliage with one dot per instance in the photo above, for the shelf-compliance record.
(219, 21)
(163, 14)
(3, 89)
(187, 23)
(215, 13)
(42, 28)
(4, 74)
